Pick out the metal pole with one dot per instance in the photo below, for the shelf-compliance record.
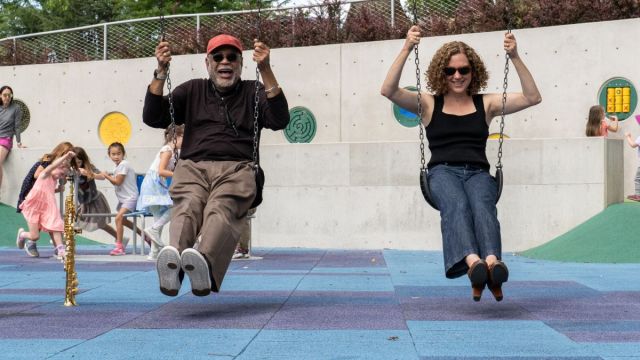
(104, 42)
(198, 40)
(393, 13)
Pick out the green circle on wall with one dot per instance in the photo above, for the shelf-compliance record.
(26, 115)
(302, 126)
(618, 97)
(405, 117)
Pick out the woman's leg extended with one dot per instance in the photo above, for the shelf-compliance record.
(458, 239)
(482, 191)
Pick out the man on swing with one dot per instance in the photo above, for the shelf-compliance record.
(214, 182)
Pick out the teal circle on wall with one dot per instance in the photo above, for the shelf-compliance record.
(302, 126)
(405, 117)
(618, 97)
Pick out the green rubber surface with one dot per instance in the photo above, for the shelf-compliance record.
(11, 221)
(612, 236)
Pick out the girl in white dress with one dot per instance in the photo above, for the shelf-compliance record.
(154, 191)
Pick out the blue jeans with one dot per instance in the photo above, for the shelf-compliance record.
(466, 197)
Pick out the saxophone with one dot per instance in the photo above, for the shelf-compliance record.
(71, 286)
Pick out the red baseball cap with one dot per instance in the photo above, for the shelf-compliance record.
(222, 40)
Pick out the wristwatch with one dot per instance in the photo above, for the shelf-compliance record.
(159, 77)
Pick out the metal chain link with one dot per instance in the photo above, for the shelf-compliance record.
(170, 96)
(419, 90)
(256, 98)
(505, 83)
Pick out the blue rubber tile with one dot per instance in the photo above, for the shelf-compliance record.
(45, 298)
(219, 311)
(57, 321)
(604, 336)
(351, 270)
(621, 325)
(19, 279)
(548, 290)
(28, 350)
(162, 344)
(599, 331)
(608, 350)
(260, 282)
(587, 309)
(355, 310)
(512, 358)
(352, 258)
(369, 282)
(345, 344)
(462, 308)
(491, 339)
(9, 308)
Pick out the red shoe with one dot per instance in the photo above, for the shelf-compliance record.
(117, 251)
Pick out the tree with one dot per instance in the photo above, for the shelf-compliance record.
(19, 17)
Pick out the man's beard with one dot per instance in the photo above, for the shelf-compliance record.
(224, 85)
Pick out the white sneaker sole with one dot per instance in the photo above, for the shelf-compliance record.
(168, 266)
(195, 266)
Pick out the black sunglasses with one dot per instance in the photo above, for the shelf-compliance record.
(231, 57)
(462, 70)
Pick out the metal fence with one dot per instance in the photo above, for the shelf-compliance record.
(334, 21)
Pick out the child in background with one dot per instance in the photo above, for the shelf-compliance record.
(635, 145)
(597, 124)
(89, 198)
(124, 181)
(40, 209)
(38, 167)
(154, 191)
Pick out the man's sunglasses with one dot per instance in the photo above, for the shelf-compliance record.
(231, 57)
(462, 70)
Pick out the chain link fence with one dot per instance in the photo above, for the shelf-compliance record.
(333, 21)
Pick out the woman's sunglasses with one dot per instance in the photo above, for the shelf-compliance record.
(231, 57)
(462, 70)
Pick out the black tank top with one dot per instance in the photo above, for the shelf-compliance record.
(458, 140)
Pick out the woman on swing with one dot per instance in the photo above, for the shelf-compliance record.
(456, 118)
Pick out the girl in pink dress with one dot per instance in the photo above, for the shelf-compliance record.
(40, 209)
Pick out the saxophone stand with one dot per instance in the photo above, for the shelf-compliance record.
(71, 282)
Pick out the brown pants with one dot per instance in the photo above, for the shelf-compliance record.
(211, 199)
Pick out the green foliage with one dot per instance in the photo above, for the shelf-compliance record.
(18, 17)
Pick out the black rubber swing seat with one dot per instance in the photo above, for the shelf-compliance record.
(426, 190)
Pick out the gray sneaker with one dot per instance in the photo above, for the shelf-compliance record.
(196, 267)
(32, 249)
(169, 270)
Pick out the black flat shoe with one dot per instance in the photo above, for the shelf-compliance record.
(498, 274)
(478, 274)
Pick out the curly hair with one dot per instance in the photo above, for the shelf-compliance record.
(436, 79)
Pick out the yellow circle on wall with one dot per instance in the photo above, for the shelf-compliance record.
(114, 126)
(496, 136)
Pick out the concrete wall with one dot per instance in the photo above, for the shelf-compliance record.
(356, 184)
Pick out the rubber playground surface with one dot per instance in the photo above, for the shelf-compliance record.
(317, 304)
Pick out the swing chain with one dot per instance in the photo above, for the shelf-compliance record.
(422, 130)
(419, 95)
(256, 99)
(504, 92)
(170, 97)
